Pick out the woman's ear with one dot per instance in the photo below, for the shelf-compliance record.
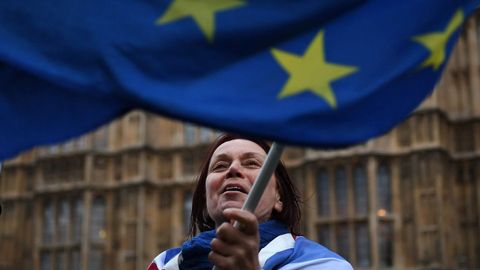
(278, 206)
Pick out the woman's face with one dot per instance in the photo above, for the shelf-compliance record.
(233, 168)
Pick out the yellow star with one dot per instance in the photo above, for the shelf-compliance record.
(311, 72)
(202, 12)
(436, 42)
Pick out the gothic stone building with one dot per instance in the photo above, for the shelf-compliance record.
(115, 198)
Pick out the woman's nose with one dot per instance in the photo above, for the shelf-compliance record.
(234, 170)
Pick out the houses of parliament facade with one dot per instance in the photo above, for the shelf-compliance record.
(116, 197)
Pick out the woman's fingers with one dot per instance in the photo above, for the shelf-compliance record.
(247, 221)
(222, 248)
(236, 248)
(246, 234)
(227, 233)
(220, 261)
(227, 256)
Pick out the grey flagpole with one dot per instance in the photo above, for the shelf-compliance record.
(266, 172)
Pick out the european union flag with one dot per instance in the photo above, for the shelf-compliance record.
(318, 73)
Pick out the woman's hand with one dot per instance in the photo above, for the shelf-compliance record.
(236, 248)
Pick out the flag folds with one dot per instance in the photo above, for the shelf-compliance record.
(317, 73)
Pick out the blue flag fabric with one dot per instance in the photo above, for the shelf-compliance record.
(317, 73)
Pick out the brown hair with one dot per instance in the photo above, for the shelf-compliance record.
(290, 215)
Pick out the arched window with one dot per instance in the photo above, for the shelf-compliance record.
(405, 133)
(61, 260)
(362, 244)
(97, 234)
(205, 135)
(95, 259)
(97, 227)
(63, 220)
(77, 220)
(341, 197)
(187, 210)
(323, 235)
(189, 133)
(360, 190)
(384, 206)
(75, 262)
(385, 243)
(343, 242)
(165, 167)
(45, 261)
(321, 185)
(188, 164)
(384, 191)
(48, 223)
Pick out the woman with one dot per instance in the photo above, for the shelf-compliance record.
(266, 239)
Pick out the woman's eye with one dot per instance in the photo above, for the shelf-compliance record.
(252, 163)
(219, 166)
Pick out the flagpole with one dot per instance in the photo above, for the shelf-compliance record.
(266, 172)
